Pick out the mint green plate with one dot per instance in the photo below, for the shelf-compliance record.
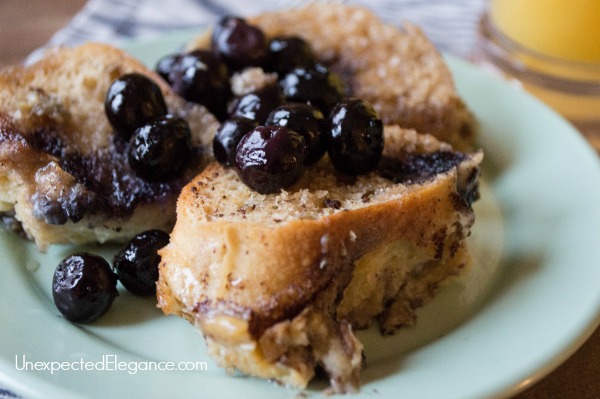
(532, 298)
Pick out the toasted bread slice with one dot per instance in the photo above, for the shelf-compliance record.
(277, 282)
(398, 71)
(63, 178)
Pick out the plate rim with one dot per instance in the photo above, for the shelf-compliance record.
(26, 383)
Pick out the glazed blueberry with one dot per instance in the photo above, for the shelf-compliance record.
(315, 85)
(136, 265)
(166, 64)
(84, 287)
(64, 208)
(258, 104)
(159, 150)
(132, 100)
(201, 77)
(355, 140)
(270, 158)
(289, 52)
(306, 120)
(240, 44)
(228, 136)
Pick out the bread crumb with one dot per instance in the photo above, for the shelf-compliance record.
(251, 79)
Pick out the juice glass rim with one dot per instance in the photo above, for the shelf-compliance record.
(509, 55)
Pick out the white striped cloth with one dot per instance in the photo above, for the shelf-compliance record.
(450, 24)
(6, 394)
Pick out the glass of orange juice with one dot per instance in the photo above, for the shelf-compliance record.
(552, 49)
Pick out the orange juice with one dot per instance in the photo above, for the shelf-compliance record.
(551, 48)
(566, 29)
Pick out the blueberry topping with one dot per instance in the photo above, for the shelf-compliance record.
(137, 264)
(258, 104)
(332, 203)
(159, 150)
(132, 100)
(228, 136)
(200, 77)
(306, 120)
(73, 205)
(270, 158)
(166, 64)
(289, 52)
(355, 140)
(47, 139)
(84, 287)
(315, 85)
(418, 168)
(240, 44)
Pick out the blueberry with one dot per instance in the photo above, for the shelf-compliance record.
(132, 100)
(289, 52)
(166, 64)
(84, 287)
(315, 85)
(269, 158)
(258, 104)
(159, 150)
(240, 44)
(306, 120)
(355, 140)
(60, 210)
(200, 77)
(228, 136)
(137, 264)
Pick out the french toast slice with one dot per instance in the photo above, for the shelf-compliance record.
(276, 283)
(63, 177)
(398, 71)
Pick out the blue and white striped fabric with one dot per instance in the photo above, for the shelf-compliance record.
(6, 394)
(450, 24)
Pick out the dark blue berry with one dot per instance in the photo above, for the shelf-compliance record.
(289, 52)
(240, 44)
(84, 287)
(355, 141)
(228, 136)
(166, 64)
(136, 265)
(258, 104)
(306, 120)
(270, 158)
(200, 77)
(315, 85)
(159, 150)
(132, 100)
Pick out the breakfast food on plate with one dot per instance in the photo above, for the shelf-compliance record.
(75, 166)
(84, 284)
(136, 264)
(317, 219)
(334, 201)
(276, 282)
(83, 287)
(398, 71)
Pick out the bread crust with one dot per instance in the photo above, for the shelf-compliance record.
(282, 267)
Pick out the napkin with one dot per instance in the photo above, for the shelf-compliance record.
(450, 24)
(6, 394)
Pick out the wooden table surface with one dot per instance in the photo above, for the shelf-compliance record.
(26, 25)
